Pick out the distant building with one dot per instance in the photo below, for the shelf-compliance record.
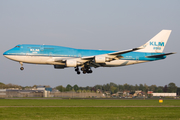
(138, 93)
(24, 93)
(119, 94)
(46, 92)
(99, 91)
(48, 89)
(2, 93)
(149, 92)
(164, 94)
(41, 87)
(44, 88)
(107, 94)
(126, 93)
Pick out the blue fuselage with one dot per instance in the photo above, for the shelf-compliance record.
(59, 51)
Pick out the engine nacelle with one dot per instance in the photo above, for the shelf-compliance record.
(59, 66)
(72, 63)
(102, 59)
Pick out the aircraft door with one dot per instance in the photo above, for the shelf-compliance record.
(27, 57)
(42, 48)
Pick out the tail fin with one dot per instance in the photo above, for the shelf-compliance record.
(157, 43)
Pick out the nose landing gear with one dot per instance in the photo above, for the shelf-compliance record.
(21, 68)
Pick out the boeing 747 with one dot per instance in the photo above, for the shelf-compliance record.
(62, 57)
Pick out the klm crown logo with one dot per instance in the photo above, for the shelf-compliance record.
(156, 43)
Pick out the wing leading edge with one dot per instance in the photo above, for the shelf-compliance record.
(123, 52)
(161, 55)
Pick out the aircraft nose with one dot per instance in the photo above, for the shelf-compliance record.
(5, 53)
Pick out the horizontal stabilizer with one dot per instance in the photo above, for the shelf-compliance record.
(161, 55)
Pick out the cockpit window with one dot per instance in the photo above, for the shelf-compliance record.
(17, 46)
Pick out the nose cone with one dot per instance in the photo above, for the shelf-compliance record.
(5, 53)
(11, 53)
(8, 53)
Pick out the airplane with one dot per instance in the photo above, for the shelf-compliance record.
(63, 57)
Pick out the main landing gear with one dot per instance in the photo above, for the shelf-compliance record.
(85, 69)
(21, 68)
(77, 70)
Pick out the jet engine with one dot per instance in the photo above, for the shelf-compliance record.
(102, 59)
(72, 63)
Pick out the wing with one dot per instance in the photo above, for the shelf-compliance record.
(99, 60)
(88, 58)
(123, 52)
(95, 61)
(118, 53)
(157, 56)
(61, 59)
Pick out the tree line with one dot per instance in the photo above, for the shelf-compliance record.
(114, 88)
(109, 87)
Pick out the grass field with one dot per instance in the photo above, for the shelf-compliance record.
(79, 109)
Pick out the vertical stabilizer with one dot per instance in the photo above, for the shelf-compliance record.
(157, 43)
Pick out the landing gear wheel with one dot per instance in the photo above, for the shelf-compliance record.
(78, 72)
(90, 71)
(82, 69)
(21, 68)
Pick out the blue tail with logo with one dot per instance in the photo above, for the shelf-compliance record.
(157, 43)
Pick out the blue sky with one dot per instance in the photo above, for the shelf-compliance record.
(102, 24)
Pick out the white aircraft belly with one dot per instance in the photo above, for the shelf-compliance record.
(116, 63)
(34, 59)
(50, 60)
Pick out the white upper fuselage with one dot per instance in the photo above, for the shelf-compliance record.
(48, 54)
